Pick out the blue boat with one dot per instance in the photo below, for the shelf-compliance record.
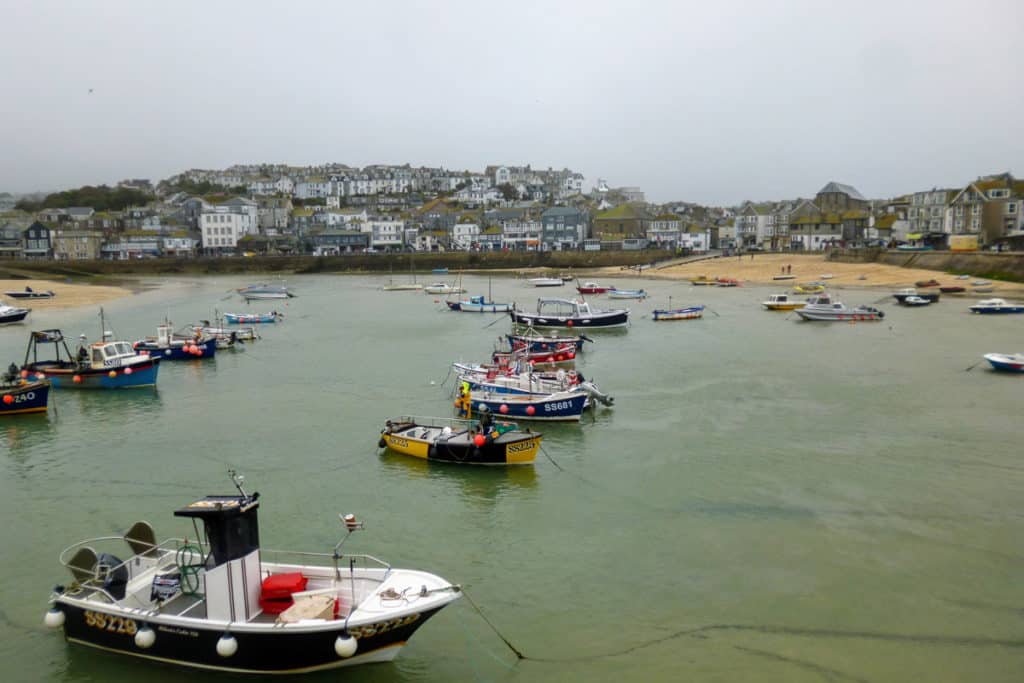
(536, 343)
(440, 271)
(19, 395)
(995, 306)
(100, 365)
(170, 346)
(250, 318)
(1006, 362)
(561, 406)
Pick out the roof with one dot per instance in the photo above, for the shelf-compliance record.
(844, 189)
(622, 211)
(561, 211)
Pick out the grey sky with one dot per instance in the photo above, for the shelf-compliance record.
(712, 102)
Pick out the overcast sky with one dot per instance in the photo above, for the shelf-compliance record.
(713, 102)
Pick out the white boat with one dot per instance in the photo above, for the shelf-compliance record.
(411, 287)
(914, 300)
(571, 313)
(627, 294)
(782, 302)
(443, 288)
(226, 604)
(1006, 362)
(546, 281)
(12, 314)
(996, 306)
(823, 308)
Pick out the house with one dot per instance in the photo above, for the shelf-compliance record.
(522, 235)
(563, 227)
(178, 244)
(928, 217)
(387, 233)
(79, 213)
(38, 241)
(991, 207)
(622, 221)
(839, 214)
(755, 225)
(132, 246)
(74, 244)
(465, 235)
(664, 231)
(274, 214)
(222, 225)
(339, 241)
(12, 244)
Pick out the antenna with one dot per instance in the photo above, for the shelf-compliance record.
(238, 479)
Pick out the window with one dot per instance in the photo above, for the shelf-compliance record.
(1011, 207)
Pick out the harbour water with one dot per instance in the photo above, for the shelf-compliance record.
(768, 500)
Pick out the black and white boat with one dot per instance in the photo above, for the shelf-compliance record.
(11, 314)
(226, 604)
(29, 293)
(571, 313)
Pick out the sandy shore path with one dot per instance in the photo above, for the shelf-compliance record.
(809, 267)
(67, 295)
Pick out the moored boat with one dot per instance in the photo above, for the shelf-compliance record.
(467, 442)
(252, 318)
(808, 288)
(265, 292)
(822, 308)
(170, 346)
(29, 293)
(226, 604)
(546, 281)
(615, 293)
(100, 365)
(952, 289)
(591, 288)
(442, 288)
(12, 314)
(782, 302)
(927, 283)
(1006, 362)
(727, 282)
(688, 313)
(19, 395)
(996, 306)
(478, 304)
(702, 281)
(915, 300)
(902, 295)
(565, 406)
(570, 313)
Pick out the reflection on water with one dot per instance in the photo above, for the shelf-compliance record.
(120, 405)
(477, 483)
(20, 434)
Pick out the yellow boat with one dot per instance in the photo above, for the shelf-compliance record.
(808, 289)
(782, 302)
(703, 280)
(468, 442)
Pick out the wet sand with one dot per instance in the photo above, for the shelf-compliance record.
(808, 267)
(68, 295)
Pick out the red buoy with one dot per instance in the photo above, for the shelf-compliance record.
(479, 440)
(77, 379)
(503, 409)
(530, 410)
(8, 399)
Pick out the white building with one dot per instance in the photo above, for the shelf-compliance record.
(522, 235)
(222, 225)
(464, 235)
(386, 232)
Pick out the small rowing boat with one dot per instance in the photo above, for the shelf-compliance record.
(689, 313)
(466, 442)
(252, 318)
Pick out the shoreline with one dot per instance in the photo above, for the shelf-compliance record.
(66, 294)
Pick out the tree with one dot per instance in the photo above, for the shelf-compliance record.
(508, 192)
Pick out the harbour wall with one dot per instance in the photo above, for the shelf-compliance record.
(349, 263)
(982, 264)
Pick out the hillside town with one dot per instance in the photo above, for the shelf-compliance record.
(334, 209)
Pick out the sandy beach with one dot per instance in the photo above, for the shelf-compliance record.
(67, 295)
(762, 268)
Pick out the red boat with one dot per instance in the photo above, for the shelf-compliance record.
(927, 283)
(952, 290)
(592, 288)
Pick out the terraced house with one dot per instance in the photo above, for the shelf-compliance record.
(839, 214)
(563, 227)
(991, 207)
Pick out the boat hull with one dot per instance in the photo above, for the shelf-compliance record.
(997, 310)
(520, 449)
(784, 306)
(627, 294)
(472, 307)
(204, 350)
(249, 318)
(30, 295)
(679, 313)
(268, 651)
(1005, 362)
(930, 297)
(595, 321)
(851, 315)
(562, 408)
(15, 315)
(62, 375)
(31, 397)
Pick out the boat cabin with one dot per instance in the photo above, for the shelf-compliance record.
(821, 300)
(566, 308)
(778, 299)
(230, 525)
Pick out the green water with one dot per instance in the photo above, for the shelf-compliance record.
(767, 501)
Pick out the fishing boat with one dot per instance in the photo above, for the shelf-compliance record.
(784, 277)
(1006, 362)
(822, 308)
(559, 356)
(227, 604)
(808, 288)
(252, 318)
(467, 442)
(903, 294)
(566, 277)
(443, 288)
(546, 281)
(782, 302)
(952, 289)
(702, 281)
(727, 282)
(926, 283)
(29, 293)
(12, 314)
(615, 293)
(570, 313)
(541, 343)
(478, 304)
(591, 288)
(100, 365)
(916, 301)
(263, 291)
(995, 306)
(689, 313)
(564, 406)
(411, 286)
(170, 346)
(20, 395)
(225, 337)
